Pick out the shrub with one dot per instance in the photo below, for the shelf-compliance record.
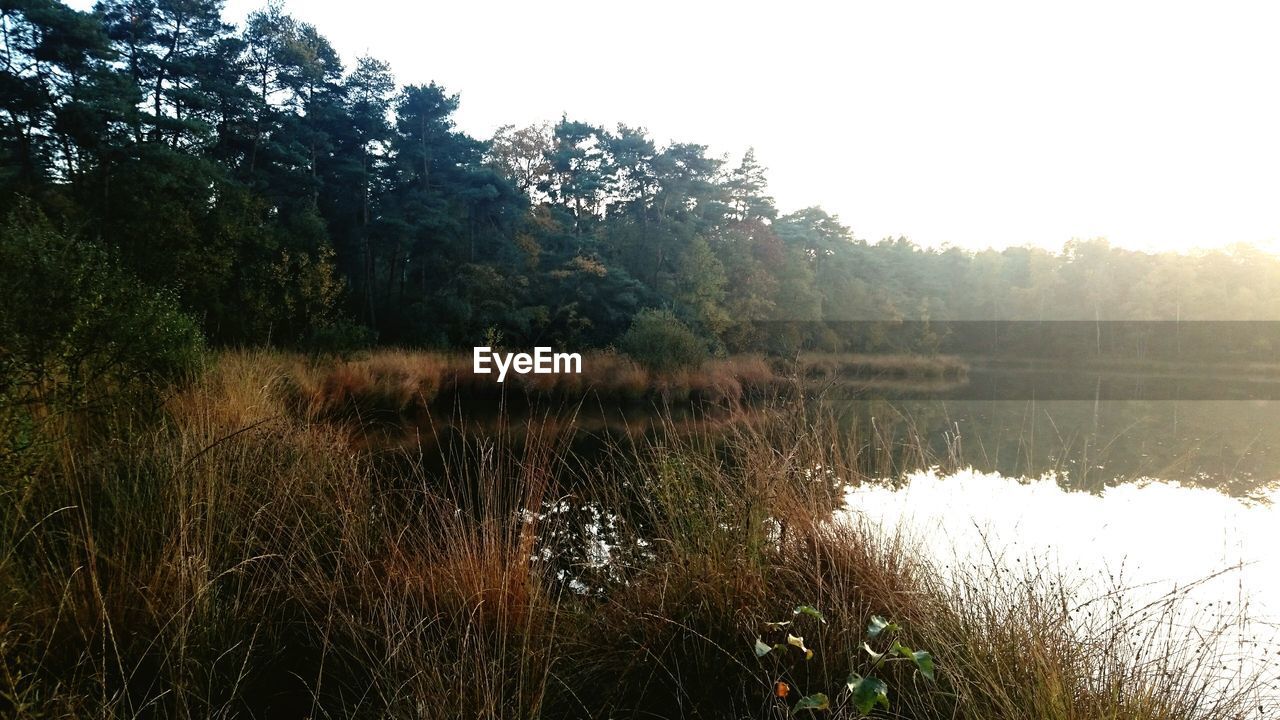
(342, 337)
(76, 330)
(659, 341)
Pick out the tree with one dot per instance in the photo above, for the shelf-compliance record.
(523, 157)
(578, 172)
(54, 108)
(368, 89)
(746, 189)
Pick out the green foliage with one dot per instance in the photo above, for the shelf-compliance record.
(877, 626)
(659, 341)
(809, 611)
(865, 693)
(814, 702)
(340, 337)
(76, 329)
(921, 659)
(862, 691)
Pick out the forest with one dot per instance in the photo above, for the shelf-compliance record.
(274, 196)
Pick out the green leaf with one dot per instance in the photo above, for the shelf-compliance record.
(878, 625)
(867, 692)
(924, 661)
(762, 649)
(816, 701)
(874, 655)
(775, 626)
(809, 610)
(921, 659)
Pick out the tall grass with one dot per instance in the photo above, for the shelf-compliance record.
(884, 365)
(397, 383)
(401, 382)
(250, 555)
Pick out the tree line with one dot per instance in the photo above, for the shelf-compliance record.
(281, 197)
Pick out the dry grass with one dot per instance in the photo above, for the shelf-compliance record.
(400, 383)
(247, 557)
(893, 366)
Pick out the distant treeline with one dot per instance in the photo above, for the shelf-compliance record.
(1074, 342)
(282, 197)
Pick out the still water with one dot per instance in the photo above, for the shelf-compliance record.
(1156, 499)
(1232, 446)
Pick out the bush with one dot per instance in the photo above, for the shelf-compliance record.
(343, 338)
(76, 330)
(659, 341)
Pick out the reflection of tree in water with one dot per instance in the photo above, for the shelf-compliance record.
(1230, 445)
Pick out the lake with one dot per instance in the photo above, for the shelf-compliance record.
(1136, 500)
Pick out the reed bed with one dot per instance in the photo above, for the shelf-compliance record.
(397, 383)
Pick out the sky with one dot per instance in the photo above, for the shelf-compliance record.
(977, 124)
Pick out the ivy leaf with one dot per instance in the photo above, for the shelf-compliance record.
(921, 659)
(762, 649)
(798, 642)
(814, 702)
(809, 610)
(878, 625)
(874, 655)
(867, 692)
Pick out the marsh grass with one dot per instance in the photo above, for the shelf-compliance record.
(884, 365)
(399, 382)
(395, 383)
(250, 555)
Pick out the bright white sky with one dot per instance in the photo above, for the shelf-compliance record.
(1155, 125)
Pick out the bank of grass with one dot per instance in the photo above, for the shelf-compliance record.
(895, 366)
(401, 382)
(404, 382)
(245, 557)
